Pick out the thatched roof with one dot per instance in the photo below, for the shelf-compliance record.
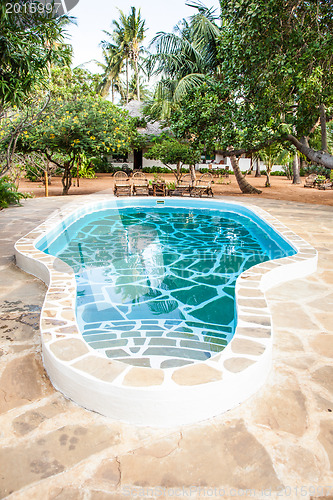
(135, 109)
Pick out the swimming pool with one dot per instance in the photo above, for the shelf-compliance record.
(155, 312)
(156, 286)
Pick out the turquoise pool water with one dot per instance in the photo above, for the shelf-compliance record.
(156, 285)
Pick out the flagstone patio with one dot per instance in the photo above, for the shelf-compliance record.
(273, 445)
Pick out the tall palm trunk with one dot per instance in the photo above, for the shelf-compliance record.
(127, 84)
(244, 186)
(136, 69)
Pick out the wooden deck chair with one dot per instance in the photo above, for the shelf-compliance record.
(184, 186)
(122, 186)
(203, 186)
(310, 181)
(140, 184)
(327, 184)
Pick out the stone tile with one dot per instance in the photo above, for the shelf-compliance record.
(30, 420)
(287, 342)
(281, 410)
(205, 456)
(69, 349)
(52, 454)
(323, 304)
(143, 377)
(196, 374)
(326, 438)
(108, 472)
(300, 362)
(23, 381)
(326, 320)
(236, 365)
(101, 368)
(103, 495)
(324, 377)
(258, 320)
(66, 493)
(248, 302)
(302, 464)
(296, 318)
(324, 404)
(243, 346)
(263, 333)
(323, 344)
(301, 289)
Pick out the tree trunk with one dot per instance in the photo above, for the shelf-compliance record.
(179, 171)
(323, 128)
(320, 157)
(296, 172)
(127, 85)
(46, 183)
(105, 89)
(268, 177)
(193, 176)
(137, 79)
(66, 179)
(257, 167)
(244, 186)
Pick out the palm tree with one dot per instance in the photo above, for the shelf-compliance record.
(125, 48)
(183, 59)
(135, 30)
(112, 66)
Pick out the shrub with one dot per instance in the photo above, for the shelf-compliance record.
(156, 170)
(9, 194)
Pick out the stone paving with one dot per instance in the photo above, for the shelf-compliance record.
(277, 444)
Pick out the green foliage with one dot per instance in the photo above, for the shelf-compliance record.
(156, 170)
(86, 168)
(68, 129)
(28, 43)
(216, 171)
(86, 125)
(276, 61)
(9, 194)
(183, 59)
(69, 84)
(172, 151)
(123, 49)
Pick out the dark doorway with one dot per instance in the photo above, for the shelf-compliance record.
(137, 159)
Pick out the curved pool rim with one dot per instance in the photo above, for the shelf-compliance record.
(148, 396)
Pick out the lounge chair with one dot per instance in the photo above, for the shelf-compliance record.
(184, 186)
(159, 188)
(203, 186)
(310, 181)
(140, 184)
(122, 186)
(327, 184)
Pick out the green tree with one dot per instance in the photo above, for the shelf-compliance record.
(67, 129)
(183, 59)
(204, 119)
(28, 43)
(276, 64)
(125, 47)
(173, 152)
(112, 68)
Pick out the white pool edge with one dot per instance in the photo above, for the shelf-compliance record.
(146, 396)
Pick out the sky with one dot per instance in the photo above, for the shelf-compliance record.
(94, 16)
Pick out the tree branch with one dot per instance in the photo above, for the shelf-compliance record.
(320, 157)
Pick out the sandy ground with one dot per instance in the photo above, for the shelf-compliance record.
(281, 189)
